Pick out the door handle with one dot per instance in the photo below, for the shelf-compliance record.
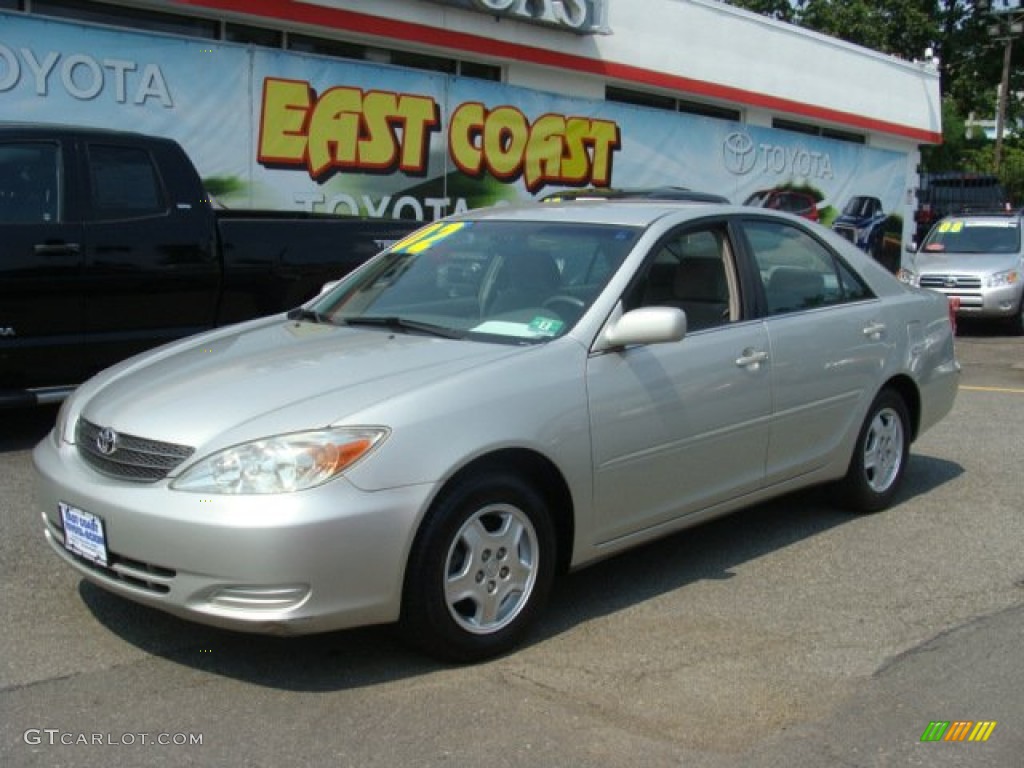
(874, 330)
(751, 358)
(57, 249)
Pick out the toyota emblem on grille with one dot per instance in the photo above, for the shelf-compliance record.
(951, 282)
(106, 441)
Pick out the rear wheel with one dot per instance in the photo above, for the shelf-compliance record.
(480, 570)
(880, 456)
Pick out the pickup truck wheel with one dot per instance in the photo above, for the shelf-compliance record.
(879, 457)
(480, 569)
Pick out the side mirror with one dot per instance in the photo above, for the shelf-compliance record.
(647, 325)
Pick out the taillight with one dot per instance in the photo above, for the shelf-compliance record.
(954, 307)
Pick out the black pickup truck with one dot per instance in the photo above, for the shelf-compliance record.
(109, 245)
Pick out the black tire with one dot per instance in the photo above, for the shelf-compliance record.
(880, 456)
(480, 570)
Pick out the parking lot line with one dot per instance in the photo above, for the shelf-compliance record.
(1008, 390)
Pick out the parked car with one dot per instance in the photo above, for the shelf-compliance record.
(789, 200)
(861, 222)
(504, 395)
(683, 194)
(110, 244)
(865, 224)
(977, 261)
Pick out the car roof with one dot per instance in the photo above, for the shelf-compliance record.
(649, 193)
(985, 215)
(46, 130)
(638, 212)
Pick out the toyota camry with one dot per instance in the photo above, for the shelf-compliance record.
(503, 396)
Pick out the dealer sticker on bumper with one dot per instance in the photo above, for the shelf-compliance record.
(83, 533)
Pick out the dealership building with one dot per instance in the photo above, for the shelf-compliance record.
(418, 108)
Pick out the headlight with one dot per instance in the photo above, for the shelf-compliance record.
(1009, 277)
(281, 464)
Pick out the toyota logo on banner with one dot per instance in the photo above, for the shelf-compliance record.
(738, 153)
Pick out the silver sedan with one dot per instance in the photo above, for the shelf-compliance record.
(502, 396)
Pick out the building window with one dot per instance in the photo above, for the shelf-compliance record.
(817, 130)
(157, 21)
(709, 110)
(794, 127)
(133, 18)
(480, 71)
(325, 47)
(639, 98)
(835, 133)
(423, 61)
(242, 33)
(670, 104)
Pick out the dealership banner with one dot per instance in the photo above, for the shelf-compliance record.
(276, 129)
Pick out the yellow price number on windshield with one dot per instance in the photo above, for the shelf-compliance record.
(428, 237)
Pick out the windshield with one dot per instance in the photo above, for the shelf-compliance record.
(859, 207)
(974, 236)
(517, 282)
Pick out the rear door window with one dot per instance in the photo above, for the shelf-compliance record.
(124, 183)
(797, 271)
(29, 191)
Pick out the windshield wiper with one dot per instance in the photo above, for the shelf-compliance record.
(309, 315)
(397, 323)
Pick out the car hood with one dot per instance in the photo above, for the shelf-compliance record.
(930, 262)
(272, 378)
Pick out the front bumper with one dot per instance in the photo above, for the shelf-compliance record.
(327, 558)
(984, 303)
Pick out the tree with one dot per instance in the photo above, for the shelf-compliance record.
(899, 27)
(783, 10)
(955, 31)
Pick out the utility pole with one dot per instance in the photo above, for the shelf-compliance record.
(1008, 22)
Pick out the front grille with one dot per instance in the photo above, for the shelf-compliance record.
(950, 281)
(132, 458)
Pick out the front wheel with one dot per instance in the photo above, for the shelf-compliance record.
(480, 570)
(879, 457)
